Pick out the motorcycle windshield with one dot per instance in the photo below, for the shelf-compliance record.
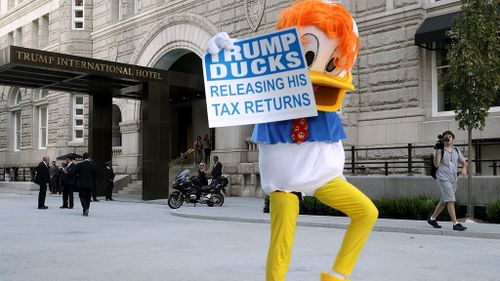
(182, 174)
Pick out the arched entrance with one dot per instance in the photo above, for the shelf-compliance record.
(188, 112)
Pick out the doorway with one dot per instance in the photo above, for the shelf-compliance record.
(188, 112)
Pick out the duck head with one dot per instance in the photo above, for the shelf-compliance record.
(330, 42)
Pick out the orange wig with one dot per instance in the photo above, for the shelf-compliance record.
(332, 19)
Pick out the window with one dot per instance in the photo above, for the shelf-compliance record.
(78, 118)
(19, 98)
(43, 93)
(44, 31)
(16, 115)
(42, 124)
(127, 8)
(17, 130)
(34, 34)
(440, 74)
(77, 14)
(10, 38)
(441, 103)
(18, 37)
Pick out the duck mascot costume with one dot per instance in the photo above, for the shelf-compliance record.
(306, 156)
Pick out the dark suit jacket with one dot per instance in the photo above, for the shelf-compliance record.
(85, 174)
(109, 175)
(216, 170)
(42, 173)
(69, 179)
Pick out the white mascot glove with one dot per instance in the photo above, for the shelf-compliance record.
(219, 42)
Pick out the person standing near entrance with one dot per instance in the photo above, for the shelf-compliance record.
(216, 171)
(446, 160)
(53, 172)
(85, 173)
(207, 148)
(42, 178)
(198, 150)
(109, 177)
(69, 183)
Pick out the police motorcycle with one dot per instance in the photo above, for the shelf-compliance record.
(189, 189)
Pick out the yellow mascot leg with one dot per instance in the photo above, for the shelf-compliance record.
(343, 196)
(284, 210)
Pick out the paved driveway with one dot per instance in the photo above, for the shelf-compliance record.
(134, 241)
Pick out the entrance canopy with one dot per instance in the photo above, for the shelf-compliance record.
(102, 80)
(30, 68)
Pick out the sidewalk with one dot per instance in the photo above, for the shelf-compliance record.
(250, 210)
(246, 209)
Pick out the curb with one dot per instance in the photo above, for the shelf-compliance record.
(408, 230)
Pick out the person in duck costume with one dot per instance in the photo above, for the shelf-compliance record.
(306, 156)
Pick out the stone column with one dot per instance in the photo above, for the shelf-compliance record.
(155, 135)
(130, 161)
(100, 127)
(232, 149)
(230, 144)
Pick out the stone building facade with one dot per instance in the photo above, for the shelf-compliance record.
(397, 100)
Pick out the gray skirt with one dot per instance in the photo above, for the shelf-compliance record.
(448, 190)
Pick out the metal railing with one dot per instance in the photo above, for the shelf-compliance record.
(409, 162)
(184, 155)
(15, 173)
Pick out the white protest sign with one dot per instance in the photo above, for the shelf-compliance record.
(262, 79)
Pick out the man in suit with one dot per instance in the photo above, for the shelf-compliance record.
(216, 171)
(109, 177)
(53, 184)
(42, 177)
(69, 182)
(85, 173)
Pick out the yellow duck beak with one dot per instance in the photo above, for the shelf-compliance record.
(329, 91)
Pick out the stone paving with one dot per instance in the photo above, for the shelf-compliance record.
(133, 241)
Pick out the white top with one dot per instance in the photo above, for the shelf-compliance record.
(301, 168)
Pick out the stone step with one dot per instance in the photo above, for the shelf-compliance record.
(134, 187)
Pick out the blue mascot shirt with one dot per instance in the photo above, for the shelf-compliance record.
(326, 127)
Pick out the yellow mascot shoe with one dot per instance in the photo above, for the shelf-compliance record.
(328, 277)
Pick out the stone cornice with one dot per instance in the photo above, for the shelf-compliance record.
(130, 127)
(149, 16)
(175, 19)
(390, 17)
(405, 14)
(23, 9)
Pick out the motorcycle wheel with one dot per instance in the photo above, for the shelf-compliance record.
(217, 200)
(175, 200)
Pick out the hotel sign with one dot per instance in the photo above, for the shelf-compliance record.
(75, 64)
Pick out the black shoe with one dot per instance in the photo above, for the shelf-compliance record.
(43, 207)
(434, 223)
(111, 199)
(95, 200)
(459, 227)
(86, 213)
(63, 207)
(71, 207)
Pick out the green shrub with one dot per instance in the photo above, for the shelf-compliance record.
(266, 204)
(493, 212)
(417, 208)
